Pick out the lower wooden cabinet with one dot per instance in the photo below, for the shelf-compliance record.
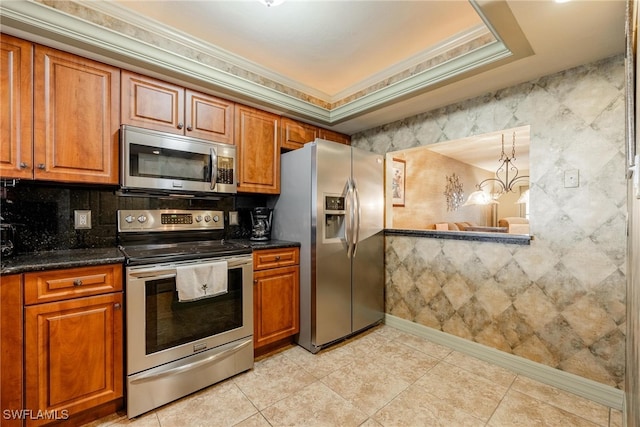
(11, 350)
(73, 346)
(276, 297)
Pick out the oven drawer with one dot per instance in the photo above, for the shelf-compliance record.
(273, 258)
(58, 285)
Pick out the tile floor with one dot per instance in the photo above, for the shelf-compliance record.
(383, 377)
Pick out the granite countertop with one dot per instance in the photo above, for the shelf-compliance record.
(68, 258)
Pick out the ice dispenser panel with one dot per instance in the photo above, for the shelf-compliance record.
(333, 217)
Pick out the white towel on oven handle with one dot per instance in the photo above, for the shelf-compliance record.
(197, 281)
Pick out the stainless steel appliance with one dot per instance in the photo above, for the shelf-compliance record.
(176, 347)
(332, 202)
(261, 221)
(160, 162)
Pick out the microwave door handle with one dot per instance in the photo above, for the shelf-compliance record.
(214, 168)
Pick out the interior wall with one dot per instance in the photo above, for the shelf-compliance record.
(561, 300)
(425, 182)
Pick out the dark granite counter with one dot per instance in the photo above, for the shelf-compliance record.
(514, 239)
(269, 244)
(50, 260)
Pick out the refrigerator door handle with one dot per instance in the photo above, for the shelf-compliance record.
(357, 217)
(348, 229)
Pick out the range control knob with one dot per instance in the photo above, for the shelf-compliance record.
(129, 219)
(198, 218)
(142, 219)
(216, 218)
(207, 218)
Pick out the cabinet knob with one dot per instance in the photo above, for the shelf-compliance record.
(77, 282)
(255, 281)
(189, 128)
(180, 125)
(40, 165)
(117, 306)
(23, 165)
(277, 257)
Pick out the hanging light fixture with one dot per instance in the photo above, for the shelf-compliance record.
(271, 3)
(500, 185)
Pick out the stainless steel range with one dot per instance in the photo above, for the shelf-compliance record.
(189, 304)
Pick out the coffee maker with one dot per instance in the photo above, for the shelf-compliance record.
(261, 219)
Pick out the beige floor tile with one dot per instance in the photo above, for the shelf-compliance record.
(416, 407)
(577, 405)
(370, 423)
(424, 345)
(272, 379)
(470, 392)
(150, 419)
(324, 362)
(256, 420)
(616, 418)
(315, 405)
(487, 370)
(367, 385)
(518, 409)
(402, 361)
(220, 405)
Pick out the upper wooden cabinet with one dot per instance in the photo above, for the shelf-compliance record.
(258, 150)
(330, 135)
(294, 134)
(16, 114)
(154, 104)
(76, 118)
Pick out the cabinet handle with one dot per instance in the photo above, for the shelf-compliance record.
(23, 165)
(180, 125)
(255, 281)
(77, 282)
(117, 306)
(277, 257)
(189, 128)
(40, 165)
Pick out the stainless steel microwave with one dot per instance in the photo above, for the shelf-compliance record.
(160, 162)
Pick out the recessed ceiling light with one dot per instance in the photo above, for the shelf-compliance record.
(271, 3)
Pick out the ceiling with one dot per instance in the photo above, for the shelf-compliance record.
(347, 65)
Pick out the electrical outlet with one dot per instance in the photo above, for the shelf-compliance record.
(233, 218)
(82, 219)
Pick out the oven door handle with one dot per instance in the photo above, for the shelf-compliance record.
(149, 274)
(211, 359)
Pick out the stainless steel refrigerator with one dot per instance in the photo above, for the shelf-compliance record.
(332, 201)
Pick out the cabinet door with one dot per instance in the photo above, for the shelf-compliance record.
(73, 354)
(295, 134)
(151, 103)
(208, 117)
(330, 135)
(76, 118)
(258, 151)
(16, 113)
(276, 297)
(11, 347)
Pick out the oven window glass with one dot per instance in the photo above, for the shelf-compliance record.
(154, 162)
(170, 323)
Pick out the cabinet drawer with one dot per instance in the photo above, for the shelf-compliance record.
(57, 285)
(273, 258)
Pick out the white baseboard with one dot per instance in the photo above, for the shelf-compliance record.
(589, 389)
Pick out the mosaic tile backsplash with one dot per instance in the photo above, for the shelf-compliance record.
(561, 300)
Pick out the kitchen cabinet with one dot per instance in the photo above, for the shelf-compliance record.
(73, 341)
(11, 347)
(295, 134)
(16, 115)
(258, 148)
(76, 118)
(158, 105)
(330, 135)
(276, 297)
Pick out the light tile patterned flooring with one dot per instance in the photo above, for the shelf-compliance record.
(383, 377)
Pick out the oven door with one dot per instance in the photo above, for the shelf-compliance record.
(160, 329)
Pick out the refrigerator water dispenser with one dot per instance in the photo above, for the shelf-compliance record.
(334, 217)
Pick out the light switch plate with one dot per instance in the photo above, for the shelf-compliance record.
(82, 219)
(233, 218)
(571, 178)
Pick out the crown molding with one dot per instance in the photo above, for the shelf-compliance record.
(103, 30)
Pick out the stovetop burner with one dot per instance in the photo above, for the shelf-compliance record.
(155, 236)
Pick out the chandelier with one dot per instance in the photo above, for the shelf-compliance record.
(453, 193)
(506, 177)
